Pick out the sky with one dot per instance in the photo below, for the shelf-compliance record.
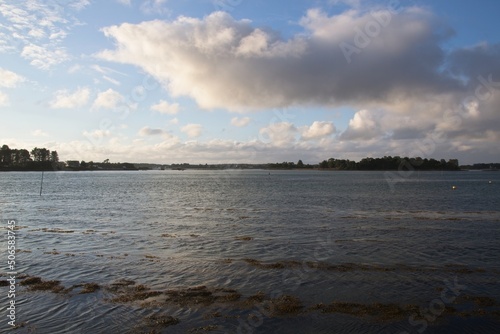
(240, 81)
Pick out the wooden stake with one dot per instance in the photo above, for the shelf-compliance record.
(41, 185)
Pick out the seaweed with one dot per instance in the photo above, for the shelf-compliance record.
(284, 305)
(243, 238)
(379, 311)
(90, 288)
(37, 284)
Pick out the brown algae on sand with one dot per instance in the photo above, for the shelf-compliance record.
(377, 310)
(126, 291)
(54, 230)
(89, 288)
(218, 301)
(155, 323)
(37, 284)
(161, 320)
(284, 305)
(349, 267)
(201, 295)
(243, 238)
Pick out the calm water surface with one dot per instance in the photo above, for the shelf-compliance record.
(319, 237)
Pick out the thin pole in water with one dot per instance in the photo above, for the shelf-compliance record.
(41, 185)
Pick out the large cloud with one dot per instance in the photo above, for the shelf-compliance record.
(223, 62)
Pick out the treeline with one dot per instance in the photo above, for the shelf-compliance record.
(390, 163)
(75, 165)
(385, 163)
(22, 159)
(39, 159)
(290, 165)
(44, 159)
(491, 166)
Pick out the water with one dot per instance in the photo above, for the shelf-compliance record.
(320, 237)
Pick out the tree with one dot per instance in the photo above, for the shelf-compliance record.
(54, 157)
(24, 157)
(40, 154)
(300, 164)
(453, 164)
(5, 155)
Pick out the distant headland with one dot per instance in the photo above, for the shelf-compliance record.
(42, 159)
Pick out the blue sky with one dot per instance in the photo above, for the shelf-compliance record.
(218, 81)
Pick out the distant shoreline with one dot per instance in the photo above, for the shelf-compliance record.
(237, 168)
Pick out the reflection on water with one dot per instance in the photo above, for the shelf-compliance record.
(245, 251)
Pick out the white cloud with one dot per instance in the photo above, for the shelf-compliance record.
(75, 68)
(39, 133)
(37, 29)
(147, 131)
(111, 80)
(154, 7)
(192, 130)
(63, 99)
(163, 107)
(9, 79)
(107, 73)
(4, 99)
(174, 121)
(279, 134)
(125, 2)
(240, 122)
(365, 124)
(105, 70)
(97, 134)
(317, 130)
(111, 99)
(44, 58)
(155, 132)
(164, 148)
(79, 4)
(158, 149)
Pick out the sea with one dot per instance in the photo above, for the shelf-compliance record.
(251, 251)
